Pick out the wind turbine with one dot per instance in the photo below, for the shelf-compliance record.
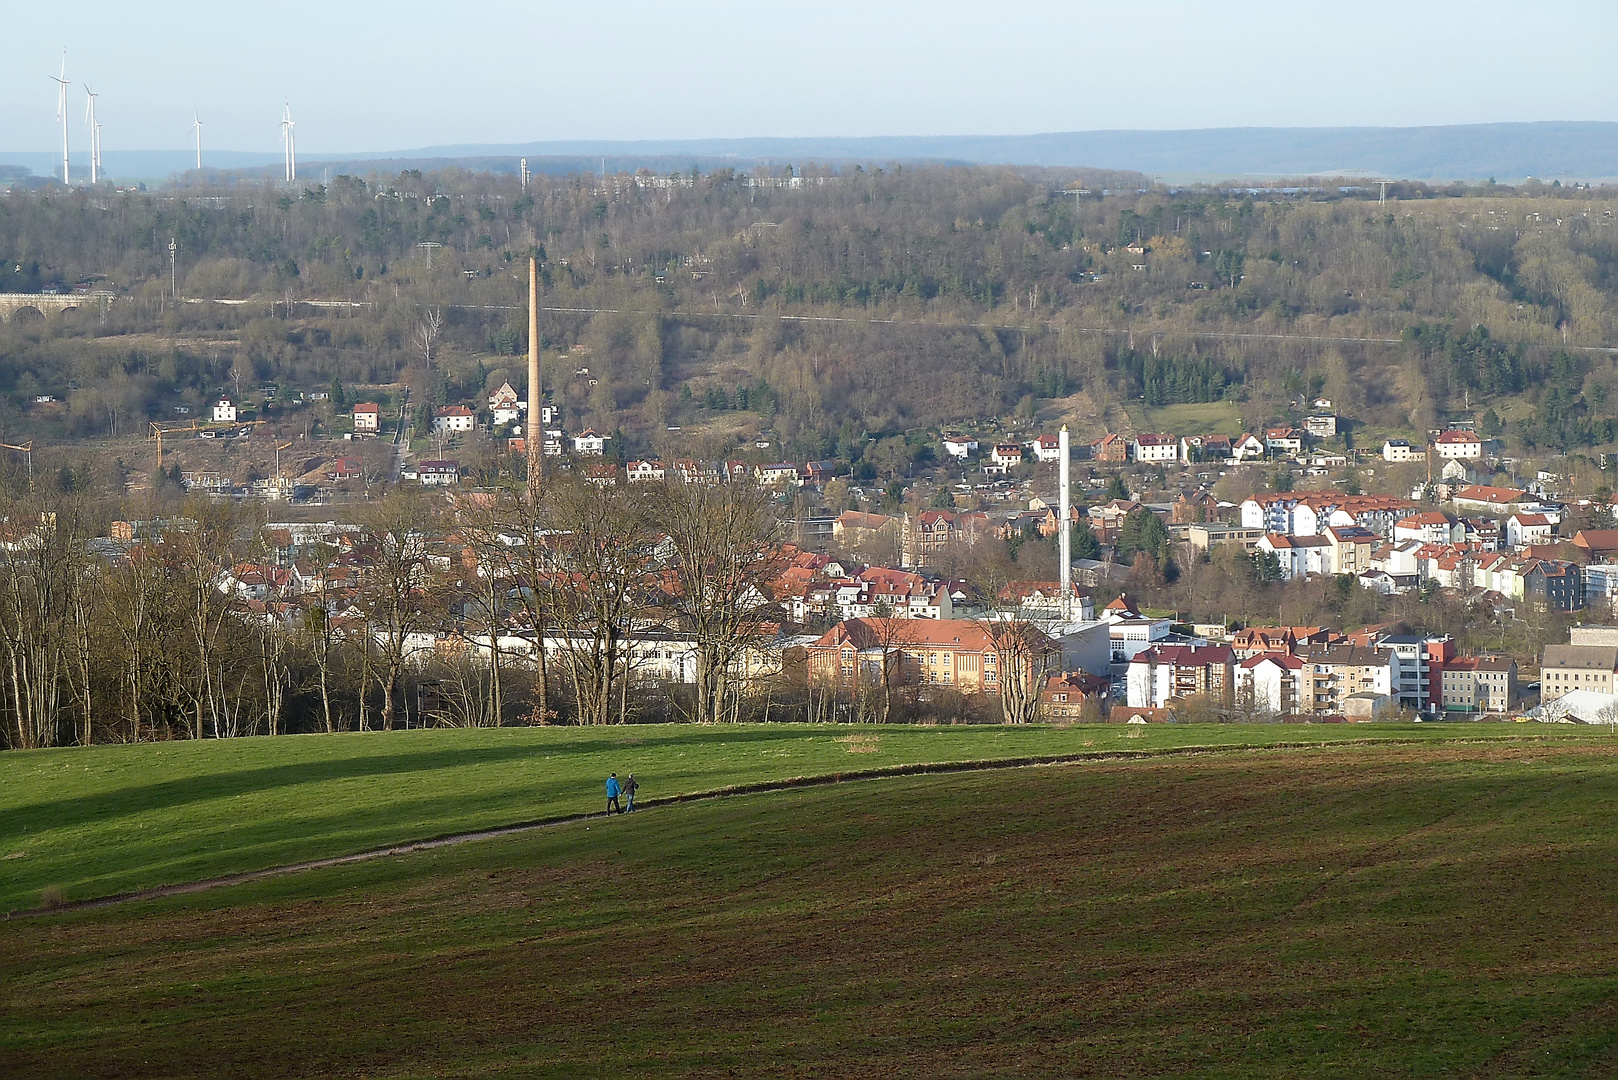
(289, 145)
(61, 109)
(196, 126)
(95, 134)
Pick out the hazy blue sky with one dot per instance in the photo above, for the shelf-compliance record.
(405, 74)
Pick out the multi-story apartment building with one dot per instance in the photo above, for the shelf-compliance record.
(1156, 449)
(1482, 684)
(1164, 672)
(923, 536)
(1566, 668)
(1334, 673)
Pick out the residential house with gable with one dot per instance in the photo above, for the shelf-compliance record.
(1284, 440)
(1248, 447)
(1269, 684)
(1524, 529)
(1003, 458)
(1046, 448)
(591, 443)
(1110, 449)
(1205, 448)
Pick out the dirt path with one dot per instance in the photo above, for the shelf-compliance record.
(793, 783)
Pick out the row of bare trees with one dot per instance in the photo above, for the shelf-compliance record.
(497, 608)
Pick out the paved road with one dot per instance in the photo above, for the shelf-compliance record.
(1107, 331)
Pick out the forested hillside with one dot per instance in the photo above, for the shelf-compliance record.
(825, 307)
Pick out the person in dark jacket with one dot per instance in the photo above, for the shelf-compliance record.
(613, 789)
(630, 788)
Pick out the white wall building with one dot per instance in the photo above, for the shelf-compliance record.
(452, 419)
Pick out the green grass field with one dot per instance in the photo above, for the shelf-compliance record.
(1385, 909)
(103, 820)
(1211, 418)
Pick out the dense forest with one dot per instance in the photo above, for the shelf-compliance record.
(827, 307)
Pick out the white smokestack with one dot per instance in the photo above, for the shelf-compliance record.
(1065, 503)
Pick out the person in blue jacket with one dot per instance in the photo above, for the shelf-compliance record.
(612, 795)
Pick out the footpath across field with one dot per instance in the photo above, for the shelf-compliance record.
(90, 822)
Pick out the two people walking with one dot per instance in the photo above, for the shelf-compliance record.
(626, 789)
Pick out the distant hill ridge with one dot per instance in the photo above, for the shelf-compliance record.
(1564, 150)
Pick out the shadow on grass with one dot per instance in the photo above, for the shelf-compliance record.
(167, 794)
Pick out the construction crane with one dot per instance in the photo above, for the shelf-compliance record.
(165, 427)
(27, 450)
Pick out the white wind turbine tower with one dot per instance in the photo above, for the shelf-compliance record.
(289, 144)
(61, 109)
(196, 126)
(95, 135)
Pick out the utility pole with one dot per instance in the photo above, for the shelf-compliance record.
(174, 291)
(429, 245)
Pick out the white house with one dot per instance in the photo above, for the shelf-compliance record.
(224, 411)
(1248, 448)
(1525, 529)
(1269, 683)
(367, 416)
(505, 405)
(1299, 556)
(1046, 448)
(1284, 440)
(433, 473)
(1321, 427)
(451, 419)
(589, 443)
(1400, 452)
(1156, 449)
(1003, 458)
(781, 473)
(960, 446)
(642, 472)
(1458, 446)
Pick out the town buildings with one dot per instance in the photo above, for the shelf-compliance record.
(951, 652)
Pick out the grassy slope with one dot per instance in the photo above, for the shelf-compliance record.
(108, 819)
(1371, 910)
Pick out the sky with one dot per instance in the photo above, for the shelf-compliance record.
(411, 74)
